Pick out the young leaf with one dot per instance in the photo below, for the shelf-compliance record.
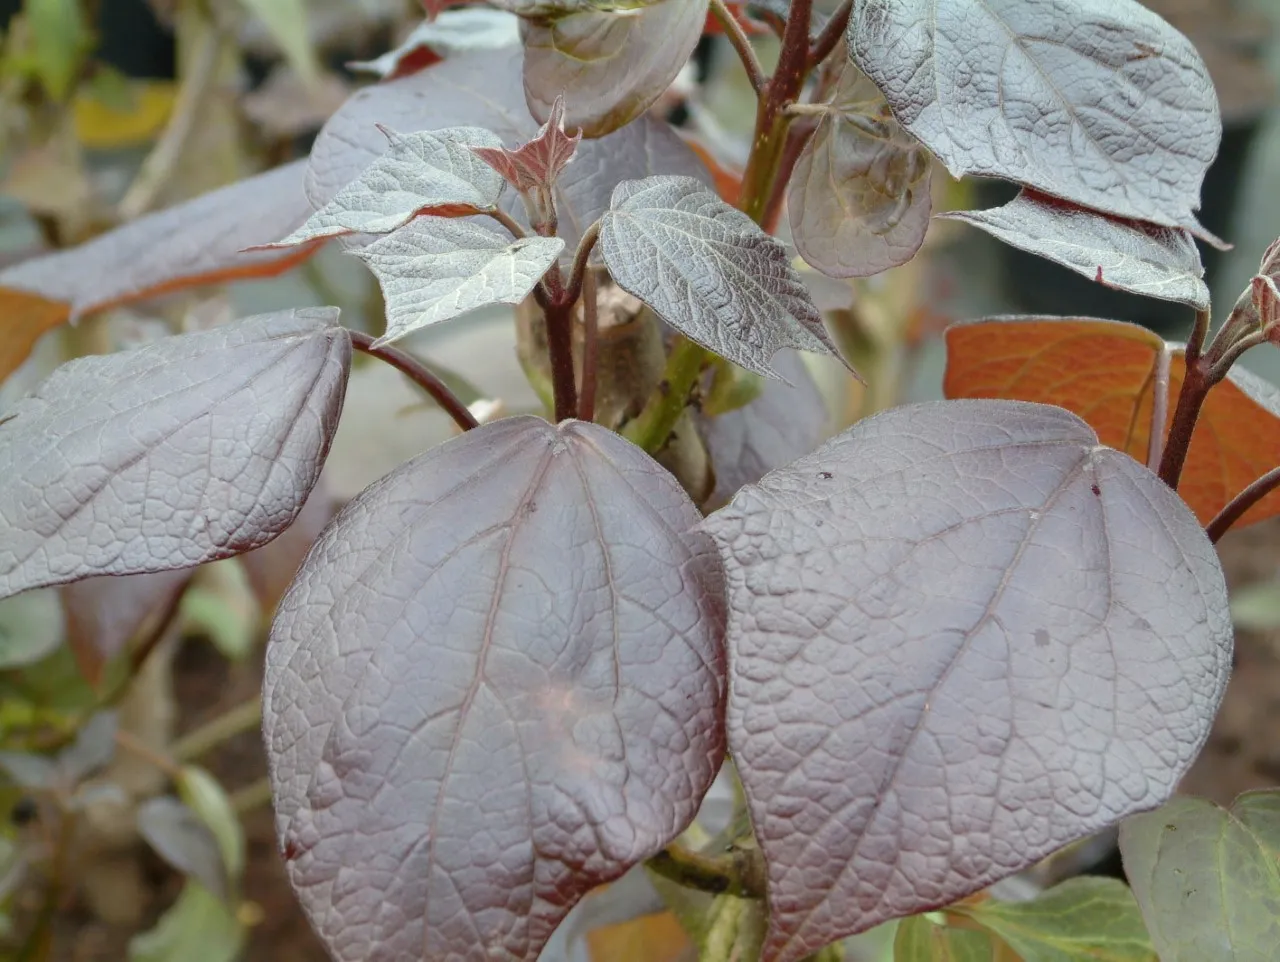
(103, 614)
(1127, 255)
(920, 940)
(498, 676)
(859, 196)
(610, 67)
(433, 171)
(537, 164)
(1080, 919)
(1104, 372)
(452, 32)
(201, 241)
(483, 89)
(182, 451)
(709, 271)
(196, 928)
(961, 635)
(1207, 878)
(1099, 102)
(436, 268)
(183, 840)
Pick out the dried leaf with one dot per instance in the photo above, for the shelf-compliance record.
(499, 676)
(957, 622)
(436, 269)
(609, 67)
(1208, 878)
(859, 197)
(535, 165)
(1127, 255)
(433, 171)
(179, 452)
(199, 242)
(1099, 102)
(182, 839)
(1103, 371)
(452, 32)
(709, 271)
(483, 89)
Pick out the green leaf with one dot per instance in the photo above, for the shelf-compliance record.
(1256, 607)
(31, 626)
(197, 928)
(222, 606)
(60, 37)
(920, 940)
(1081, 920)
(1207, 879)
(204, 796)
(286, 20)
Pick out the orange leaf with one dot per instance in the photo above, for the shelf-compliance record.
(650, 938)
(728, 183)
(1104, 371)
(197, 242)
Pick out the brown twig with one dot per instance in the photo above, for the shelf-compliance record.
(1195, 388)
(413, 369)
(1241, 503)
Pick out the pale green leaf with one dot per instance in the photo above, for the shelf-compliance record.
(1207, 879)
(1256, 607)
(921, 940)
(60, 37)
(286, 21)
(197, 928)
(204, 796)
(1081, 920)
(31, 626)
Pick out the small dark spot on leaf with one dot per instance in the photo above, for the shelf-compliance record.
(1042, 638)
(531, 507)
(25, 811)
(664, 387)
(825, 475)
(1097, 491)
(290, 851)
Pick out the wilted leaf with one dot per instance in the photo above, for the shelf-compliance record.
(782, 424)
(709, 271)
(204, 796)
(286, 21)
(610, 67)
(103, 614)
(182, 451)
(1128, 255)
(498, 675)
(452, 32)
(1207, 878)
(483, 89)
(1099, 102)
(433, 171)
(537, 164)
(437, 268)
(859, 196)
(197, 928)
(31, 626)
(961, 635)
(1078, 920)
(183, 840)
(1104, 372)
(271, 568)
(920, 940)
(198, 242)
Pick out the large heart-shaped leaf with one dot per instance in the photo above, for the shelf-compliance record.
(437, 268)
(484, 90)
(496, 683)
(859, 196)
(1208, 878)
(1104, 371)
(1099, 102)
(961, 635)
(182, 451)
(431, 171)
(201, 241)
(1128, 255)
(709, 271)
(609, 67)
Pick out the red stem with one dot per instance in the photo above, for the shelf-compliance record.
(831, 34)
(1241, 503)
(413, 369)
(1195, 388)
(557, 310)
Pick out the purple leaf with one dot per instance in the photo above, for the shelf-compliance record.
(271, 568)
(1128, 255)
(496, 683)
(182, 451)
(181, 838)
(104, 614)
(610, 67)
(961, 636)
(1099, 102)
(709, 271)
(859, 196)
(484, 90)
(432, 171)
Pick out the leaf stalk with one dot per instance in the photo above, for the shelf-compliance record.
(740, 871)
(1238, 506)
(417, 372)
(741, 44)
(831, 33)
